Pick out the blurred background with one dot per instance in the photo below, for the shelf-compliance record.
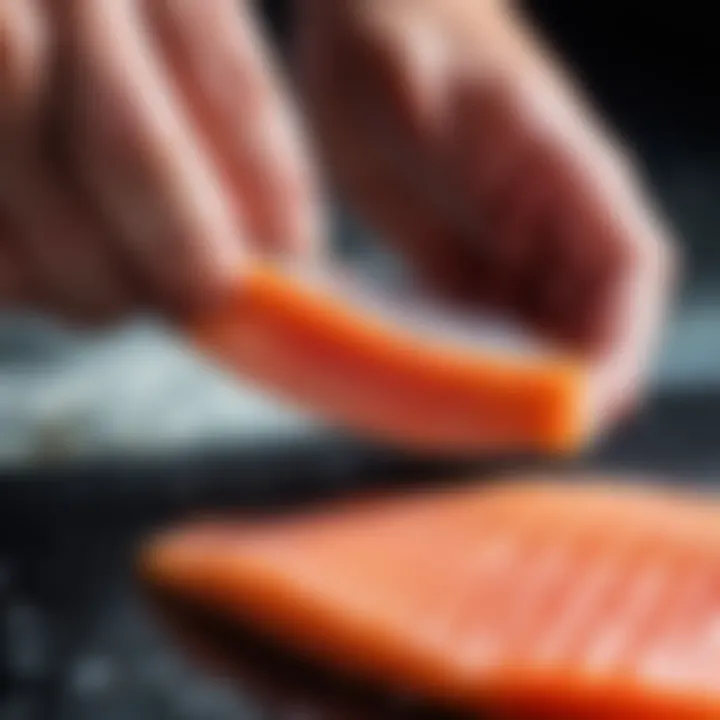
(102, 435)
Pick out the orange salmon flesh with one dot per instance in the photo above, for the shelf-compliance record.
(527, 599)
(352, 366)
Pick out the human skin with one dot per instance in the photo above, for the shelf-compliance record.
(460, 136)
(174, 151)
(149, 147)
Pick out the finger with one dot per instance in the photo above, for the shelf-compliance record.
(533, 188)
(23, 39)
(439, 127)
(491, 140)
(571, 259)
(234, 95)
(392, 67)
(143, 162)
(594, 245)
(376, 185)
(636, 312)
(23, 78)
(63, 250)
(13, 280)
(380, 194)
(52, 239)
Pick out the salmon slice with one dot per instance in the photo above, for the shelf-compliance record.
(388, 376)
(529, 599)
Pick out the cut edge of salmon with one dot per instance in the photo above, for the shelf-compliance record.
(264, 575)
(353, 367)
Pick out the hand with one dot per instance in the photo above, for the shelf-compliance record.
(145, 147)
(455, 132)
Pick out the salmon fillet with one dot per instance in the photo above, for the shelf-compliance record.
(528, 599)
(351, 365)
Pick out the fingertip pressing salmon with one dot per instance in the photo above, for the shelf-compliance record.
(353, 366)
(529, 600)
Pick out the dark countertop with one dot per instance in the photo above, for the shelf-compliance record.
(80, 640)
